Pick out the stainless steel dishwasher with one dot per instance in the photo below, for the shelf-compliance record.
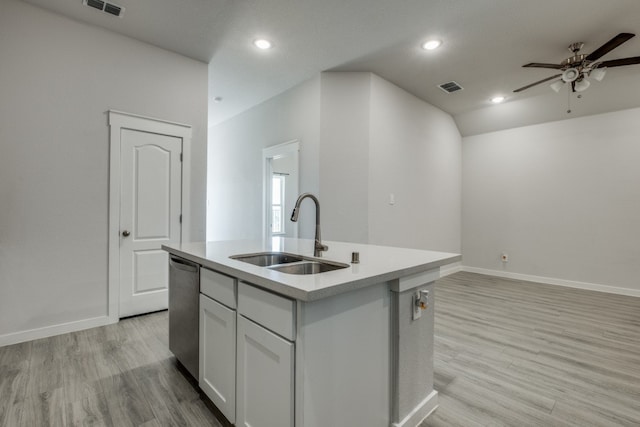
(184, 316)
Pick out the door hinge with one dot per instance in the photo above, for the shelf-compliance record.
(180, 218)
(180, 156)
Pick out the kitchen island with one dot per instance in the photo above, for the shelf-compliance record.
(347, 347)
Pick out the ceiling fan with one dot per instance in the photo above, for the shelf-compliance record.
(578, 67)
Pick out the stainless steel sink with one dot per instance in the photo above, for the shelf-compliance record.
(266, 259)
(289, 263)
(309, 267)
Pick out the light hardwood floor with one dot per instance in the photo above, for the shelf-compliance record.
(507, 353)
(116, 375)
(513, 353)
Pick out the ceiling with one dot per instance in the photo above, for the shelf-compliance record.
(485, 43)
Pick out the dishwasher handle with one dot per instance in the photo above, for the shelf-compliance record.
(181, 264)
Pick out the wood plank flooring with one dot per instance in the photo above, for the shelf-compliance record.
(116, 375)
(507, 353)
(513, 353)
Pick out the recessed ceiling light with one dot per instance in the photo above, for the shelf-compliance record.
(497, 99)
(431, 44)
(262, 44)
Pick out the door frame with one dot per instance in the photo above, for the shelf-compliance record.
(118, 121)
(268, 154)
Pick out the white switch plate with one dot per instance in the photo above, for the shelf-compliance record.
(392, 199)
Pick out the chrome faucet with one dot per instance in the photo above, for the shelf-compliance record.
(318, 247)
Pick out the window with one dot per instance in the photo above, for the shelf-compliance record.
(277, 204)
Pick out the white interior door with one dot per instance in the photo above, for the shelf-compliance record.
(150, 208)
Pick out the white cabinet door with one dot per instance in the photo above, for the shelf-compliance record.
(265, 377)
(218, 355)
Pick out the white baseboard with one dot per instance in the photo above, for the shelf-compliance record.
(448, 269)
(553, 281)
(49, 331)
(420, 412)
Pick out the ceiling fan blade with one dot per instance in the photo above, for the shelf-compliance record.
(541, 65)
(620, 62)
(537, 83)
(609, 46)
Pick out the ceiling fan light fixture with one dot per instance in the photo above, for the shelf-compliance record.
(598, 73)
(570, 75)
(557, 85)
(582, 85)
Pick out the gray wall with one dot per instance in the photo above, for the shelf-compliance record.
(414, 154)
(344, 156)
(235, 170)
(58, 79)
(562, 199)
(361, 137)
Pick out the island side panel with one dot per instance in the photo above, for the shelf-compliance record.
(345, 373)
(413, 396)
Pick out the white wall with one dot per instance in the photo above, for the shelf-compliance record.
(235, 170)
(562, 199)
(344, 156)
(361, 138)
(57, 81)
(415, 154)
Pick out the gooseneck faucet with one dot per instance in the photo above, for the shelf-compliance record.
(318, 247)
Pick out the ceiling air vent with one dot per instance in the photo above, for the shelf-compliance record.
(450, 87)
(109, 8)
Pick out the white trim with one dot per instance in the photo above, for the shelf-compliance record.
(119, 120)
(114, 115)
(553, 281)
(413, 281)
(269, 153)
(420, 412)
(448, 269)
(49, 331)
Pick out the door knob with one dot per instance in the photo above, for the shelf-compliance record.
(125, 233)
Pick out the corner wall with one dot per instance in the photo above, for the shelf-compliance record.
(344, 156)
(235, 171)
(55, 91)
(562, 199)
(415, 154)
(361, 139)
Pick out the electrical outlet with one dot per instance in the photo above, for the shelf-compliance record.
(417, 310)
(504, 257)
(420, 302)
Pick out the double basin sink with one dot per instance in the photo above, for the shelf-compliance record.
(289, 263)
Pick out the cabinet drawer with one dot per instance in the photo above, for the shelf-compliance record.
(272, 311)
(219, 287)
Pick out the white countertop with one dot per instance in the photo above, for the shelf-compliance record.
(377, 264)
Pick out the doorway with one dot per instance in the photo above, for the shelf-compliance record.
(280, 189)
(147, 198)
